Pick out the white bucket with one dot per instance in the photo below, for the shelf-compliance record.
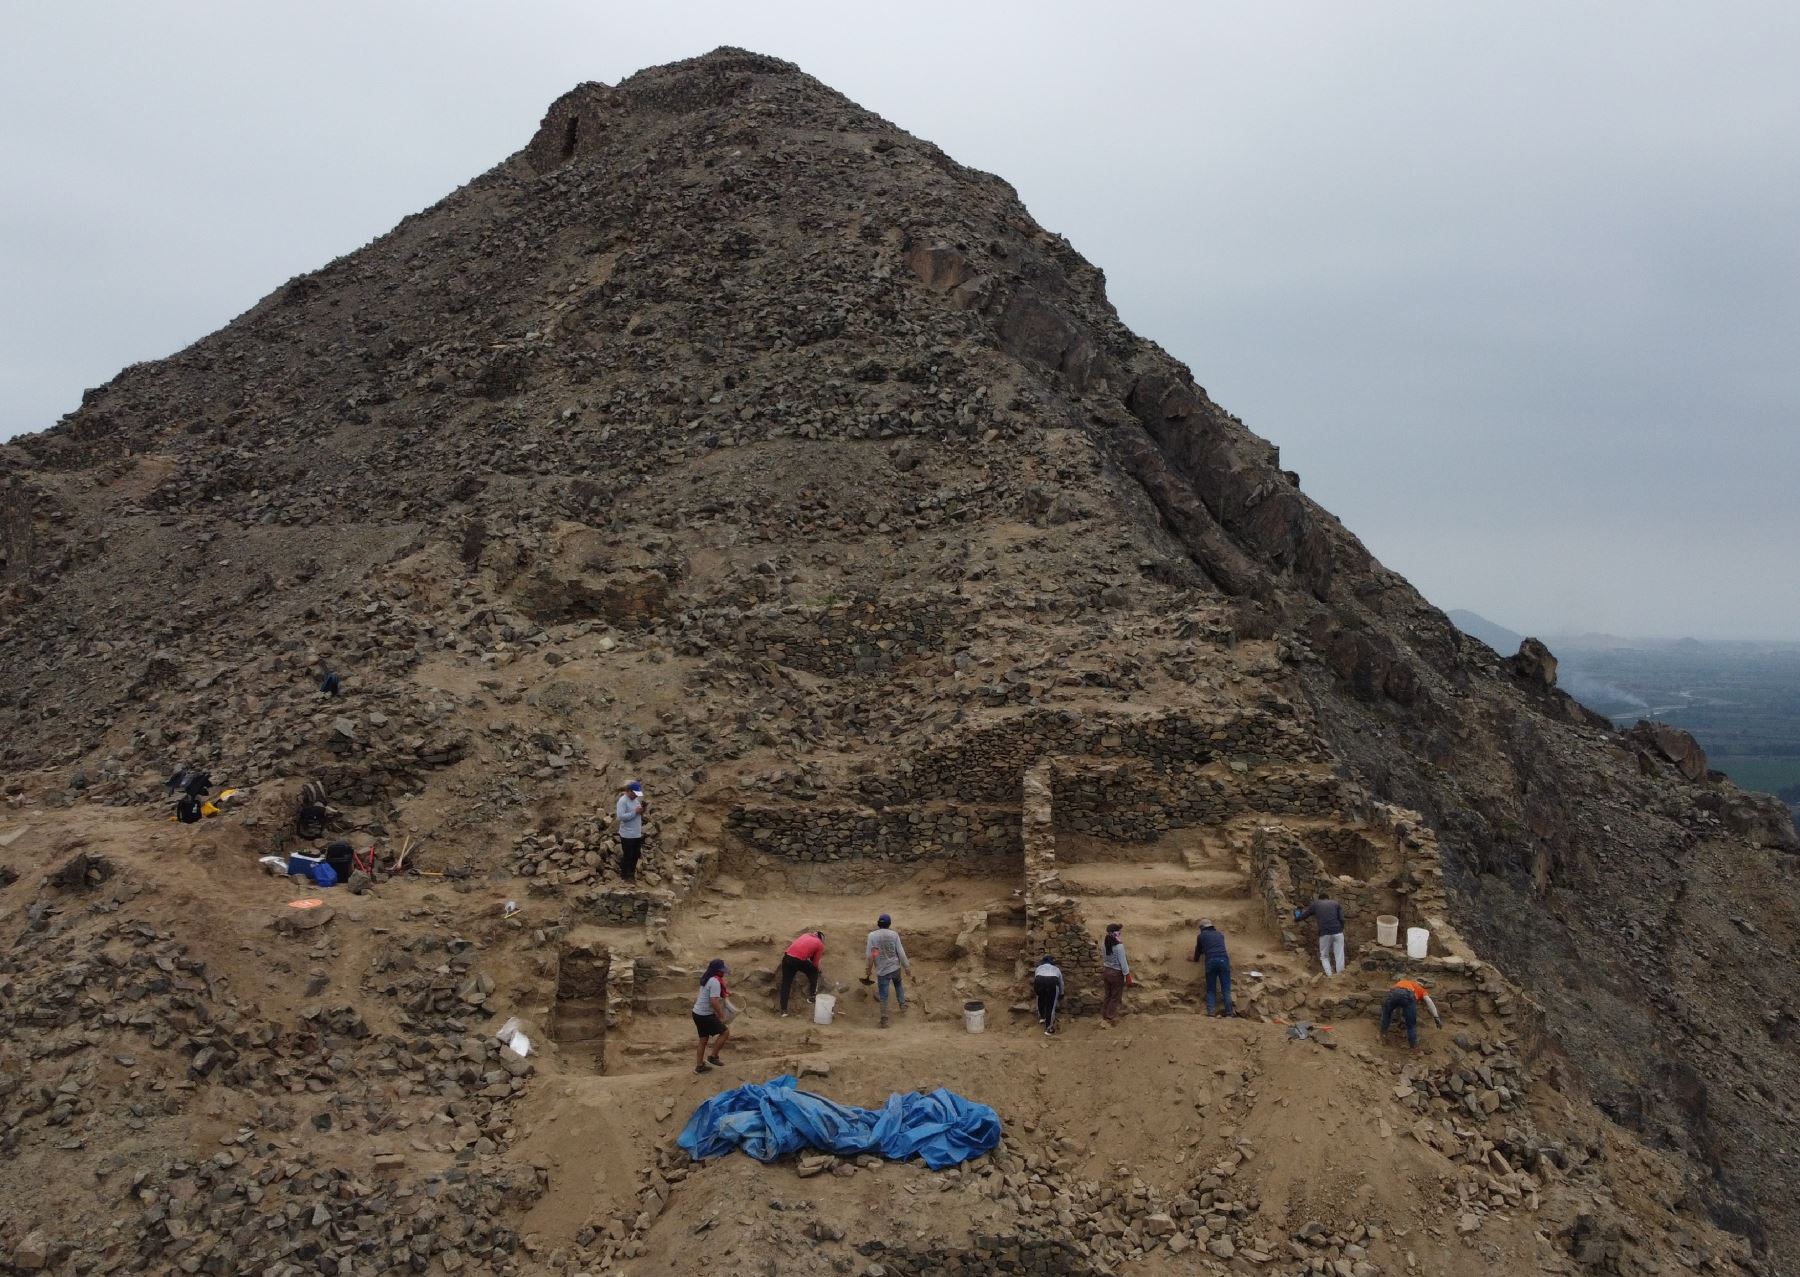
(1417, 940)
(975, 1017)
(823, 1006)
(1387, 929)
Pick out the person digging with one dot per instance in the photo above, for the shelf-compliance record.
(1405, 997)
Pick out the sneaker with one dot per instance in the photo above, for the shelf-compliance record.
(715, 1061)
(784, 1015)
(883, 1024)
(703, 1068)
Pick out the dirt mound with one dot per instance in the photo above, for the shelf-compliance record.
(729, 438)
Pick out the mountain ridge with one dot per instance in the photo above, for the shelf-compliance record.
(727, 435)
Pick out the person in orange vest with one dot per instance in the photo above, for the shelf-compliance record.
(1405, 997)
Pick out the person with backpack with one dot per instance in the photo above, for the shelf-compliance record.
(629, 812)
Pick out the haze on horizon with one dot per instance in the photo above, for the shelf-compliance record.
(1515, 289)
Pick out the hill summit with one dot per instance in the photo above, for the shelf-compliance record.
(730, 439)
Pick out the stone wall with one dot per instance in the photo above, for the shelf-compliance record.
(860, 637)
(984, 764)
(1393, 865)
(1140, 801)
(1054, 922)
(822, 834)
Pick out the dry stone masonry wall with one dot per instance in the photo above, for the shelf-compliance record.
(1054, 922)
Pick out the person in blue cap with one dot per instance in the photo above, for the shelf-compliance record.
(886, 960)
(630, 813)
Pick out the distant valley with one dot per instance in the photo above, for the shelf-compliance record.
(1740, 700)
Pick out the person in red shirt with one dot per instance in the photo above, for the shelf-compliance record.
(1405, 997)
(802, 956)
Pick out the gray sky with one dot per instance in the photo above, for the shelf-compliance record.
(1515, 287)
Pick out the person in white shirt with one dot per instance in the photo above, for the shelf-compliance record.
(1047, 984)
(1115, 974)
(711, 1011)
(886, 960)
(629, 812)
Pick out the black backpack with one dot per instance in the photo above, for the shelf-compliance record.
(187, 809)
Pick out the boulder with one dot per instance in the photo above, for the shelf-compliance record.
(1534, 664)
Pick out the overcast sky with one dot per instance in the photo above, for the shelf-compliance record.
(1516, 287)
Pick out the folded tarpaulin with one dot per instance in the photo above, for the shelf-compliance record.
(772, 1119)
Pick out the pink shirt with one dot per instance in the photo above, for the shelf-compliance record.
(807, 948)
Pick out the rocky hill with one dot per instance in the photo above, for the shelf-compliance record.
(729, 437)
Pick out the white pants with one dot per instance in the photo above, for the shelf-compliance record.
(1332, 947)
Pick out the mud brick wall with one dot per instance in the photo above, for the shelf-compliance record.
(823, 834)
(1054, 923)
(862, 637)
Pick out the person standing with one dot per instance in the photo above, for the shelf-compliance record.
(1209, 947)
(1115, 974)
(802, 956)
(1329, 915)
(886, 961)
(629, 811)
(1047, 984)
(711, 1011)
(1405, 997)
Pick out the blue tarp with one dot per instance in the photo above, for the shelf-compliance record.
(772, 1119)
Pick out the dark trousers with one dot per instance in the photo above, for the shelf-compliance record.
(1218, 977)
(791, 967)
(1408, 1006)
(633, 848)
(1114, 993)
(1049, 993)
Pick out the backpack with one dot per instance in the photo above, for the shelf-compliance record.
(187, 809)
(310, 823)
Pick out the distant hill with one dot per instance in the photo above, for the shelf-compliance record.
(1496, 636)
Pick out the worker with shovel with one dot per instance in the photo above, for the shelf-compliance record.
(886, 960)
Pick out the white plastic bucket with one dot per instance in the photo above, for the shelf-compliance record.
(823, 1006)
(1387, 929)
(1417, 940)
(975, 1017)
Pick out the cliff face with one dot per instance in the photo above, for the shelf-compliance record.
(788, 457)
